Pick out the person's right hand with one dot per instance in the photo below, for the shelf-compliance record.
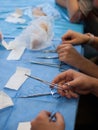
(77, 83)
(42, 122)
(72, 37)
(69, 55)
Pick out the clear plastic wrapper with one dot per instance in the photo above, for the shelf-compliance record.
(36, 36)
(45, 9)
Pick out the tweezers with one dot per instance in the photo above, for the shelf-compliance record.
(56, 86)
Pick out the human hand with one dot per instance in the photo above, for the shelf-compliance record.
(41, 122)
(68, 54)
(72, 37)
(75, 83)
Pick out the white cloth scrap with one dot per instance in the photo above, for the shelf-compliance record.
(24, 126)
(18, 78)
(5, 100)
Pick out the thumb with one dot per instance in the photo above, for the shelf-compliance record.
(59, 118)
(72, 41)
(60, 121)
(74, 84)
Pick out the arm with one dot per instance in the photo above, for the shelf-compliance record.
(61, 3)
(77, 82)
(73, 9)
(42, 122)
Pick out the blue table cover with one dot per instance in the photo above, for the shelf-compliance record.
(26, 109)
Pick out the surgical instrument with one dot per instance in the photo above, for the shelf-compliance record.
(56, 86)
(47, 57)
(38, 94)
(52, 117)
(49, 51)
(45, 63)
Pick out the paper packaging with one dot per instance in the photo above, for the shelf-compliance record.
(24, 126)
(15, 54)
(5, 100)
(18, 78)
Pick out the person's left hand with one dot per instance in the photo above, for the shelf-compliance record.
(42, 122)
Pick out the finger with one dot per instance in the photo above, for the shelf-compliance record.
(60, 77)
(44, 113)
(73, 94)
(59, 118)
(72, 41)
(60, 47)
(76, 87)
(67, 94)
(67, 35)
(83, 92)
(62, 93)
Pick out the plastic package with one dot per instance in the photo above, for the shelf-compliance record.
(36, 36)
(45, 9)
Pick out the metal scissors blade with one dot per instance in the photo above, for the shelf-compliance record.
(46, 82)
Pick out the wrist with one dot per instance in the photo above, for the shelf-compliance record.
(91, 38)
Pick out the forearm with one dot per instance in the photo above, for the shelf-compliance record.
(88, 67)
(72, 7)
(61, 3)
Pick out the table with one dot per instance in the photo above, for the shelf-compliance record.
(27, 109)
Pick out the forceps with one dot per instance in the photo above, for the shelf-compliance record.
(49, 64)
(49, 51)
(55, 86)
(48, 57)
(45, 63)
